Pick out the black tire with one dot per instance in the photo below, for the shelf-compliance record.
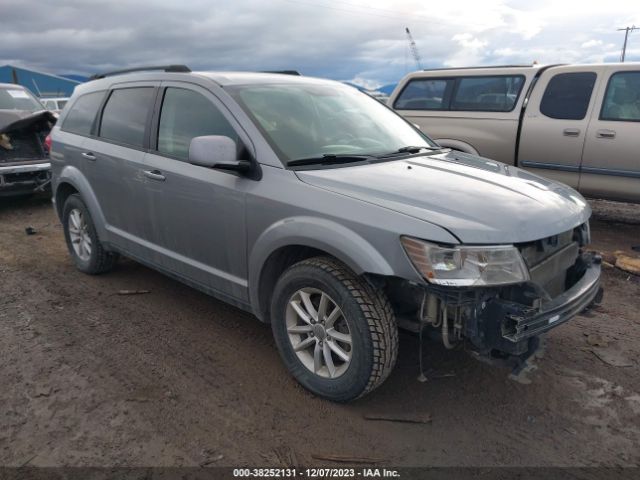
(370, 320)
(100, 260)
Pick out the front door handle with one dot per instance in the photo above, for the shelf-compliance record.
(155, 175)
(606, 134)
(571, 132)
(89, 156)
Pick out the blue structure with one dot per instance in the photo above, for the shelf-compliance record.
(41, 84)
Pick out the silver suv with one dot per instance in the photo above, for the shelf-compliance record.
(321, 211)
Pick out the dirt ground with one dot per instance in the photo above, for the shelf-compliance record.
(176, 378)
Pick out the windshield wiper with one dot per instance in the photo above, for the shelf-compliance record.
(409, 149)
(328, 159)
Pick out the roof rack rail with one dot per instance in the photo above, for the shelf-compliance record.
(479, 67)
(166, 68)
(283, 72)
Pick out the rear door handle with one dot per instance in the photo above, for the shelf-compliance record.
(89, 156)
(155, 175)
(571, 132)
(606, 134)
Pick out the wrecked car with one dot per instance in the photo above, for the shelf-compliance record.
(24, 155)
(322, 212)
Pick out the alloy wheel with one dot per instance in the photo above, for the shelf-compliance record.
(319, 332)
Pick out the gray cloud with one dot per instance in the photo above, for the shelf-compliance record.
(333, 38)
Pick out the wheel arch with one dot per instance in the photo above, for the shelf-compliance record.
(292, 240)
(71, 181)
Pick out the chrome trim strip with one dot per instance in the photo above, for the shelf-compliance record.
(550, 166)
(611, 171)
(36, 167)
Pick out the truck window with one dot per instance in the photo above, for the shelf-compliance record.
(125, 115)
(425, 94)
(622, 98)
(187, 114)
(80, 118)
(567, 95)
(487, 94)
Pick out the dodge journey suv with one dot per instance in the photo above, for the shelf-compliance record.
(322, 212)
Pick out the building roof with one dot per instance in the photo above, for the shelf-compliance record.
(40, 83)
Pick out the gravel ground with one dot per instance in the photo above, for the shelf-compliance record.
(176, 378)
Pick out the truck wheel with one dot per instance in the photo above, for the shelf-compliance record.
(82, 240)
(336, 334)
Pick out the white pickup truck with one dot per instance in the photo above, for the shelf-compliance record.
(579, 124)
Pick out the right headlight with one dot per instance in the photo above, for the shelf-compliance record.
(463, 266)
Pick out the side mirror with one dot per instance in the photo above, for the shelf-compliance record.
(216, 151)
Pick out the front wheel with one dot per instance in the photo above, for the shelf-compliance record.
(335, 333)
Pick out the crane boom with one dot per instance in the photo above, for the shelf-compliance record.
(414, 49)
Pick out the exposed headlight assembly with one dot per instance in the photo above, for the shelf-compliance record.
(464, 266)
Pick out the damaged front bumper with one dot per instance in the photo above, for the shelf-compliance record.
(502, 325)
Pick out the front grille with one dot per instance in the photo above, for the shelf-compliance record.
(26, 146)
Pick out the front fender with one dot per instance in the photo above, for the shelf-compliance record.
(72, 176)
(323, 234)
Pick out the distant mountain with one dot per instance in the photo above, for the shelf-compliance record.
(387, 89)
(77, 78)
(359, 87)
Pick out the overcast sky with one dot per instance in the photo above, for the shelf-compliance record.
(356, 40)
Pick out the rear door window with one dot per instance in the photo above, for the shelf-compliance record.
(622, 98)
(567, 95)
(425, 94)
(187, 114)
(124, 117)
(83, 112)
(487, 94)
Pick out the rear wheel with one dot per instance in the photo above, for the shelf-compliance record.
(336, 334)
(82, 240)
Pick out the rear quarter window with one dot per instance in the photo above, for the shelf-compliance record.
(567, 95)
(83, 113)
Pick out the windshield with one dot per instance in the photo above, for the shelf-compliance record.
(18, 99)
(308, 121)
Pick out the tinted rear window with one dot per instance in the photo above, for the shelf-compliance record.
(82, 114)
(494, 93)
(125, 115)
(487, 94)
(567, 95)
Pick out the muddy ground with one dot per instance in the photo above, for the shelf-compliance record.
(173, 377)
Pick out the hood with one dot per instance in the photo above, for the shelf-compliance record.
(19, 119)
(478, 200)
